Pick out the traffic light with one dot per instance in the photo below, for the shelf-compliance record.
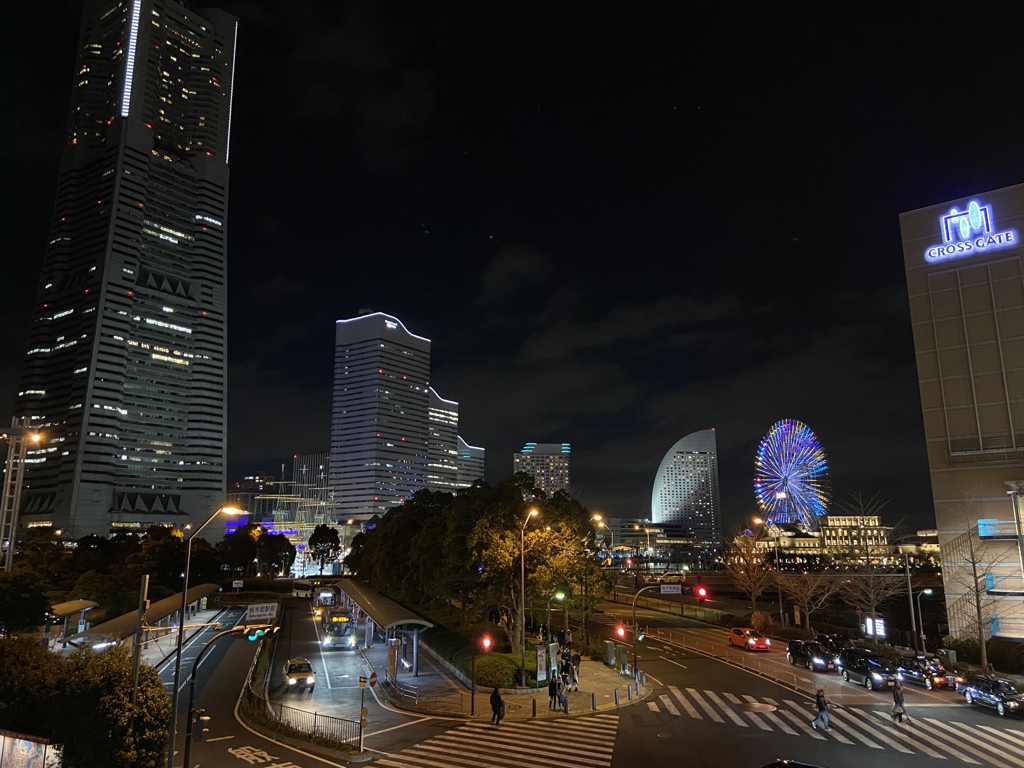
(620, 631)
(252, 634)
(200, 720)
(702, 593)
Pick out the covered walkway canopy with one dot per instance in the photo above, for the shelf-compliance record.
(116, 630)
(385, 613)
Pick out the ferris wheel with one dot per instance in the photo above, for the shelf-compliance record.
(791, 478)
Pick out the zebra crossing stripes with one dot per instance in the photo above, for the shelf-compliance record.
(930, 737)
(586, 742)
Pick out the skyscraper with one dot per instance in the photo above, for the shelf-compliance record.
(379, 419)
(686, 489)
(471, 462)
(964, 263)
(125, 372)
(546, 463)
(443, 449)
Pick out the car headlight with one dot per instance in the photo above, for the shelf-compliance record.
(291, 681)
(876, 676)
(816, 660)
(767, 641)
(310, 680)
(751, 641)
(1012, 704)
(899, 675)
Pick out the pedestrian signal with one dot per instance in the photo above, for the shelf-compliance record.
(200, 722)
(702, 594)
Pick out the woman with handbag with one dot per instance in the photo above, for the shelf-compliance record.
(899, 711)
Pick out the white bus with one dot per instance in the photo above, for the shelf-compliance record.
(302, 588)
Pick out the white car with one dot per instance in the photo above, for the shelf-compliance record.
(298, 674)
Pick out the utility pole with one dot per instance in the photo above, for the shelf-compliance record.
(137, 648)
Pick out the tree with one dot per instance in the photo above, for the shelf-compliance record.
(22, 602)
(747, 563)
(811, 591)
(273, 550)
(324, 544)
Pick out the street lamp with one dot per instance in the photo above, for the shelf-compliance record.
(556, 596)
(778, 587)
(181, 625)
(486, 642)
(19, 437)
(636, 629)
(921, 616)
(522, 596)
(611, 533)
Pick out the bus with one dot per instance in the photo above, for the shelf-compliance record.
(302, 588)
(339, 628)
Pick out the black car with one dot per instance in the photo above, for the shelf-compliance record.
(920, 671)
(867, 668)
(812, 655)
(835, 643)
(1001, 695)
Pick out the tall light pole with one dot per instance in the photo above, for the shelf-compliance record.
(19, 437)
(910, 597)
(921, 616)
(556, 596)
(636, 629)
(181, 626)
(778, 570)
(522, 596)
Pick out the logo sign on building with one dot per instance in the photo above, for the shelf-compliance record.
(969, 232)
(261, 613)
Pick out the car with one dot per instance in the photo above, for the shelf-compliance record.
(812, 655)
(922, 671)
(749, 639)
(867, 668)
(299, 674)
(988, 691)
(833, 642)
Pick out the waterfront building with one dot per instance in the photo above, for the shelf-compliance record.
(125, 372)
(965, 281)
(470, 463)
(686, 493)
(546, 463)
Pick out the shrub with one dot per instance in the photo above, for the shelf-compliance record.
(497, 670)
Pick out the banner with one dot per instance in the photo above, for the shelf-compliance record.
(542, 665)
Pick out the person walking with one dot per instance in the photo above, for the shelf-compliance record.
(552, 692)
(899, 711)
(821, 702)
(497, 707)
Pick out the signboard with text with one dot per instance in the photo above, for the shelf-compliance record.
(542, 665)
(671, 589)
(261, 613)
(969, 232)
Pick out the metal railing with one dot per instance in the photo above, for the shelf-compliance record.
(312, 724)
(401, 690)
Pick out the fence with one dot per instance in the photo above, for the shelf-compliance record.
(686, 610)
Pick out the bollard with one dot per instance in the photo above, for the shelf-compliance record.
(593, 701)
(638, 686)
(629, 692)
(534, 707)
(616, 697)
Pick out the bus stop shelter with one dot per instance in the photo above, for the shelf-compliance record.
(383, 612)
(63, 612)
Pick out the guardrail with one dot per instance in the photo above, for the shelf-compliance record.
(401, 690)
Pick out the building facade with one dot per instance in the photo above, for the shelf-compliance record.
(686, 491)
(471, 463)
(965, 282)
(380, 421)
(443, 448)
(546, 463)
(125, 372)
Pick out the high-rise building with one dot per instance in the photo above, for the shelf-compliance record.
(379, 420)
(686, 492)
(965, 280)
(546, 463)
(125, 371)
(443, 449)
(470, 463)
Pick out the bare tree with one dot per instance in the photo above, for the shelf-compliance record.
(811, 591)
(747, 563)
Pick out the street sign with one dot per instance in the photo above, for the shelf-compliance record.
(671, 589)
(364, 712)
(373, 679)
(362, 681)
(236, 584)
(261, 613)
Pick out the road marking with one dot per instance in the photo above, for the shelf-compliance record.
(798, 721)
(705, 706)
(916, 743)
(727, 709)
(654, 707)
(1003, 734)
(655, 679)
(938, 734)
(668, 705)
(1004, 754)
(673, 661)
(219, 738)
(685, 702)
(852, 720)
(750, 715)
(367, 734)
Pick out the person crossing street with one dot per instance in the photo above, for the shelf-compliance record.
(821, 702)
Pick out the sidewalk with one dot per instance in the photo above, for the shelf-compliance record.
(162, 645)
(440, 690)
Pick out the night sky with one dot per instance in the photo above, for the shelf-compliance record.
(618, 223)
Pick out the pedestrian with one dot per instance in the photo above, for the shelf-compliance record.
(576, 659)
(568, 638)
(899, 711)
(552, 692)
(822, 703)
(497, 707)
(561, 638)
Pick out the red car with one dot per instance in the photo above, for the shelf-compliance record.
(750, 639)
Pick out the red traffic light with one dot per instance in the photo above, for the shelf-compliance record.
(620, 631)
(702, 593)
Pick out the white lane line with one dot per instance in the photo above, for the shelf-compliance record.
(685, 702)
(727, 709)
(653, 707)
(368, 734)
(708, 710)
(1000, 750)
(943, 740)
(673, 661)
(750, 715)
(1003, 734)
(219, 738)
(853, 719)
(914, 742)
(799, 722)
(668, 704)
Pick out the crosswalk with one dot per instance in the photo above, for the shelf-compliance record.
(580, 742)
(1001, 746)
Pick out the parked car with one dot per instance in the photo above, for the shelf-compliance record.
(299, 674)
(749, 639)
(812, 655)
(922, 671)
(994, 692)
(867, 668)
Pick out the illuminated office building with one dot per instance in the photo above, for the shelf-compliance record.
(380, 421)
(965, 280)
(443, 449)
(546, 463)
(470, 463)
(686, 492)
(125, 371)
